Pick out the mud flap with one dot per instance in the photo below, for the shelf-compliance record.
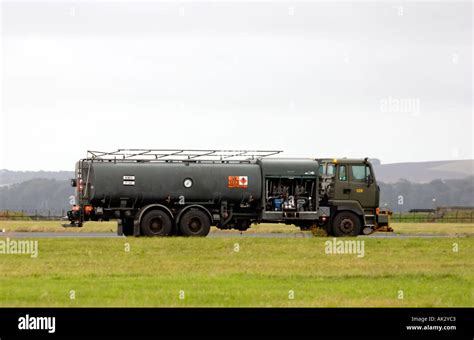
(136, 228)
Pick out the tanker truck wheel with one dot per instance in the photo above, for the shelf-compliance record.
(156, 223)
(346, 224)
(194, 223)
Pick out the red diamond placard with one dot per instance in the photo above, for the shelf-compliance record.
(238, 182)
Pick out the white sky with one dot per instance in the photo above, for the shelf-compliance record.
(307, 78)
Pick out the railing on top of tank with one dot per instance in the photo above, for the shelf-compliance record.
(151, 155)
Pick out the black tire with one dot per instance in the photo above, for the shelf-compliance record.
(127, 227)
(194, 223)
(346, 223)
(156, 223)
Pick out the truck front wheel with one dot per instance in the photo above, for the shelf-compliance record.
(156, 223)
(346, 223)
(194, 223)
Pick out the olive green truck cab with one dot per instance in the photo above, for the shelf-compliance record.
(348, 188)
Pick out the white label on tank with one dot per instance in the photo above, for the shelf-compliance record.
(128, 182)
(128, 178)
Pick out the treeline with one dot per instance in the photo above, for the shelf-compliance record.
(43, 195)
(38, 195)
(404, 195)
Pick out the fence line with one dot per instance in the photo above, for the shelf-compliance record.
(451, 217)
(35, 215)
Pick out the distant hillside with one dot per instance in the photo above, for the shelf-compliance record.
(41, 195)
(424, 172)
(11, 177)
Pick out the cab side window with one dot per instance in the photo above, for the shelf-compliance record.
(359, 173)
(328, 169)
(331, 170)
(342, 173)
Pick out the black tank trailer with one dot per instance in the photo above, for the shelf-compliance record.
(175, 183)
(165, 195)
(184, 192)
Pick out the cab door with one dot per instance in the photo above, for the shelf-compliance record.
(342, 188)
(362, 185)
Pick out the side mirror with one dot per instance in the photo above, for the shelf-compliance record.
(73, 182)
(370, 179)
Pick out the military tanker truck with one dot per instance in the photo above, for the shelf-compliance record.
(185, 192)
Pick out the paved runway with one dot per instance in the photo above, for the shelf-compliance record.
(211, 235)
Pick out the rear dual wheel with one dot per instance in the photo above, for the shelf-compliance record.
(194, 222)
(156, 223)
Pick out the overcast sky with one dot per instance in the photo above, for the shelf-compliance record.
(350, 79)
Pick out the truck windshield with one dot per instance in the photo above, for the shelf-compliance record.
(360, 172)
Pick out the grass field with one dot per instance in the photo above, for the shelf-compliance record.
(55, 226)
(209, 272)
(434, 228)
(402, 228)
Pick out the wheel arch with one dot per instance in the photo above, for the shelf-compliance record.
(355, 211)
(143, 210)
(351, 206)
